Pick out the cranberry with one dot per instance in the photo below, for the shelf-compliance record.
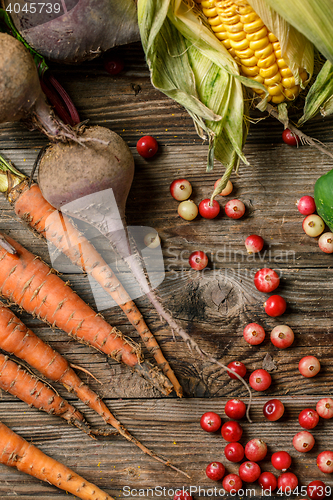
(231, 431)
(266, 280)
(249, 472)
(180, 189)
(227, 190)
(287, 482)
(325, 461)
(317, 490)
(182, 495)
(308, 418)
(198, 260)
(232, 483)
(273, 410)
(187, 210)
(113, 65)
(313, 225)
(281, 460)
(267, 481)
(254, 334)
(210, 421)
(324, 408)
(234, 452)
(260, 380)
(275, 306)
(235, 408)
(147, 146)
(325, 242)
(282, 336)
(215, 471)
(209, 210)
(309, 366)
(255, 450)
(238, 367)
(254, 243)
(303, 441)
(289, 138)
(306, 205)
(235, 209)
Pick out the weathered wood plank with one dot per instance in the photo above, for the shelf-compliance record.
(169, 427)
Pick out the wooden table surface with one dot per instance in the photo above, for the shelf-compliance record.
(213, 306)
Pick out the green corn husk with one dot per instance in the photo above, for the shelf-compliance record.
(320, 95)
(313, 18)
(190, 65)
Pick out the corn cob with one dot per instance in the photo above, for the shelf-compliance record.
(255, 48)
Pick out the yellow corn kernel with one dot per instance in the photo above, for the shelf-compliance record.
(250, 71)
(275, 90)
(269, 72)
(267, 62)
(256, 50)
(288, 83)
(286, 72)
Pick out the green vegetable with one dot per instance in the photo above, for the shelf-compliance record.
(323, 195)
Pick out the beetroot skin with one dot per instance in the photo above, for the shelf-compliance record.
(69, 171)
(84, 31)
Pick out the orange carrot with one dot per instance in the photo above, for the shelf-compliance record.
(30, 283)
(17, 339)
(34, 392)
(17, 452)
(31, 206)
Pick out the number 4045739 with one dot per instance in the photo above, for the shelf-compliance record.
(34, 8)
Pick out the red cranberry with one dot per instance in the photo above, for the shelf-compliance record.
(238, 367)
(249, 472)
(267, 481)
(325, 461)
(287, 482)
(309, 366)
(198, 260)
(282, 336)
(273, 410)
(235, 408)
(306, 205)
(275, 305)
(303, 441)
(231, 431)
(289, 138)
(254, 243)
(325, 408)
(215, 471)
(281, 460)
(254, 334)
(147, 146)
(113, 64)
(260, 380)
(209, 210)
(180, 189)
(266, 280)
(255, 450)
(235, 209)
(232, 483)
(182, 495)
(308, 418)
(234, 452)
(210, 421)
(317, 490)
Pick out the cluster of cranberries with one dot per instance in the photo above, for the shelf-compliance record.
(256, 450)
(313, 225)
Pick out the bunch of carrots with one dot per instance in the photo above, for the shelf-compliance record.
(31, 284)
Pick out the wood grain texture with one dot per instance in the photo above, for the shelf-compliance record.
(213, 306)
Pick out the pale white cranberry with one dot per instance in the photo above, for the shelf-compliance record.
(313, 225)
(325, 242)
(303, 441)
(324, 408)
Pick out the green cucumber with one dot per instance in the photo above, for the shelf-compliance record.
(323, 195)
